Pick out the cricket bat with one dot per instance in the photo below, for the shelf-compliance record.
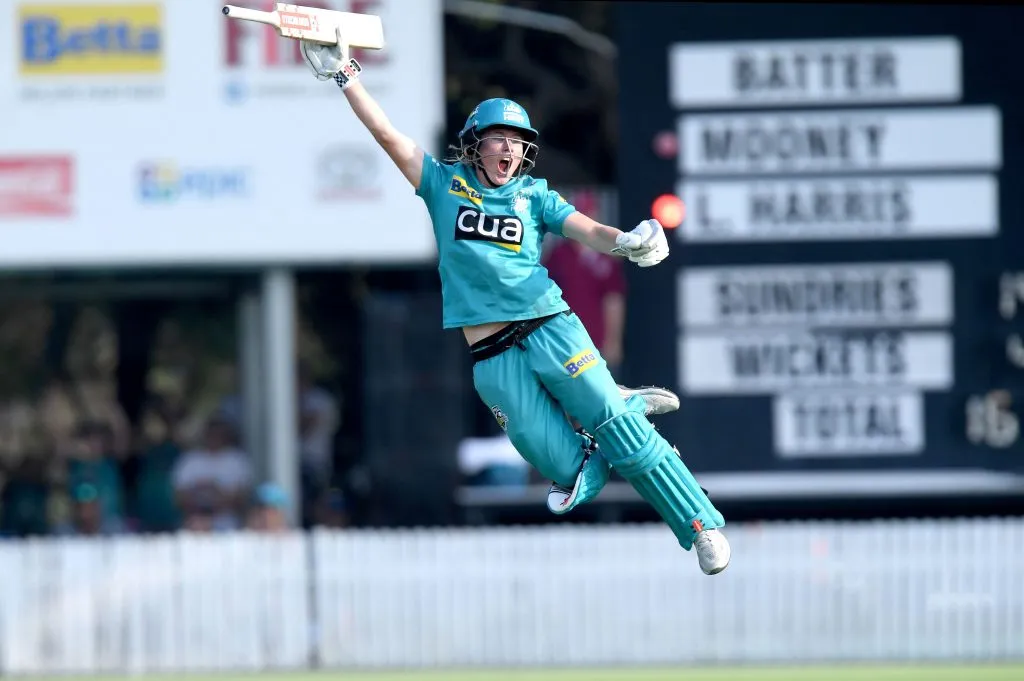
(316, 25)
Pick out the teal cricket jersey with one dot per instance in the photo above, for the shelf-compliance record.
(489, 244)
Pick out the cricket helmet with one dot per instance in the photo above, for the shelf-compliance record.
(498, 112)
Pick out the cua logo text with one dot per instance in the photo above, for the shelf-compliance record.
(504, 230)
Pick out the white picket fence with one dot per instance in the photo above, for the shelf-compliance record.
(561, 595)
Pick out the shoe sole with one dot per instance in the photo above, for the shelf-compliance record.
(720, 569)
(652, 390)
(716, 570)
(566, 505)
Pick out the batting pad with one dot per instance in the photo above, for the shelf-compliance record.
(649, 463)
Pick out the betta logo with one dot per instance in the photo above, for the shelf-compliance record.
(504, 230)
(273, 51)
(59, 40)
(577, 364)
(461, 188)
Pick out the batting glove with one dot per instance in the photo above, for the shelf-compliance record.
(331, 61)
(646, 244)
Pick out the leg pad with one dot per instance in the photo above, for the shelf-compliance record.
(649, 463)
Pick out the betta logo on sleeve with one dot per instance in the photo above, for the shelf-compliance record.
(577, 364)
(90, 39)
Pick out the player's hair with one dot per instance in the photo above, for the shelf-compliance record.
(456, 154)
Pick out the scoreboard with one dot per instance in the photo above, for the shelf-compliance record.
(843, 307)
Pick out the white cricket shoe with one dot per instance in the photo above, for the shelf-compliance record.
(713, 551)
(561, 497)
(657, 400)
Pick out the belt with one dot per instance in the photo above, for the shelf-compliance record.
(513, 334)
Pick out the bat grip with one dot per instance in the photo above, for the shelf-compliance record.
(247, 14)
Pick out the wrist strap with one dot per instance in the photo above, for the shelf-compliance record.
(348, 74)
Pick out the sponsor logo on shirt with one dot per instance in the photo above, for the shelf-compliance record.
(461, 188)
(500, 417)
(503, 230)
(577, 364)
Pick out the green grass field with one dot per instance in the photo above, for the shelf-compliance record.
(951, 672)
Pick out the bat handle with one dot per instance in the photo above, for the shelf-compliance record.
(256, 15)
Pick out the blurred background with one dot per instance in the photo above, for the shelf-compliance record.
(234, 437)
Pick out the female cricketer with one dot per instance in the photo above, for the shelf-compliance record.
(533, 360)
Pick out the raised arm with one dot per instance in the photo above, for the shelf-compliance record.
(332, 61)
(400, 147)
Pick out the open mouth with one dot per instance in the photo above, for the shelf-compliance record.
(503, 165)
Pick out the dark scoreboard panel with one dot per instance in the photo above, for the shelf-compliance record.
(846, 294)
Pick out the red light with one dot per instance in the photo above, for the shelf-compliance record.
(669, 210)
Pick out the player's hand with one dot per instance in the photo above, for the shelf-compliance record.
(331, 61)
(646, 244)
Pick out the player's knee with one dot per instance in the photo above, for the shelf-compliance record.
(558, 466)
(601, 406)
(630, 443)
(561, 472)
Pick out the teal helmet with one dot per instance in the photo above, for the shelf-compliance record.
(498, 112)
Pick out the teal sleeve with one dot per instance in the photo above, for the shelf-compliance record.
(556, 210)
(432, 177)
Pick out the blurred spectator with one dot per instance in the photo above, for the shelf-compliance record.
(319, 416)
(594, 286)
(24, 500)
(318, 420)
(270, 503)
(332, 509)
(156, 507)
(87, 514)
(91, 461)
(215, 479)
(200, 522)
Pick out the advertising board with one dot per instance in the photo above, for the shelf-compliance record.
(185, 138)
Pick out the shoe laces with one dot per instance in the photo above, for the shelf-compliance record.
(704, 538)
